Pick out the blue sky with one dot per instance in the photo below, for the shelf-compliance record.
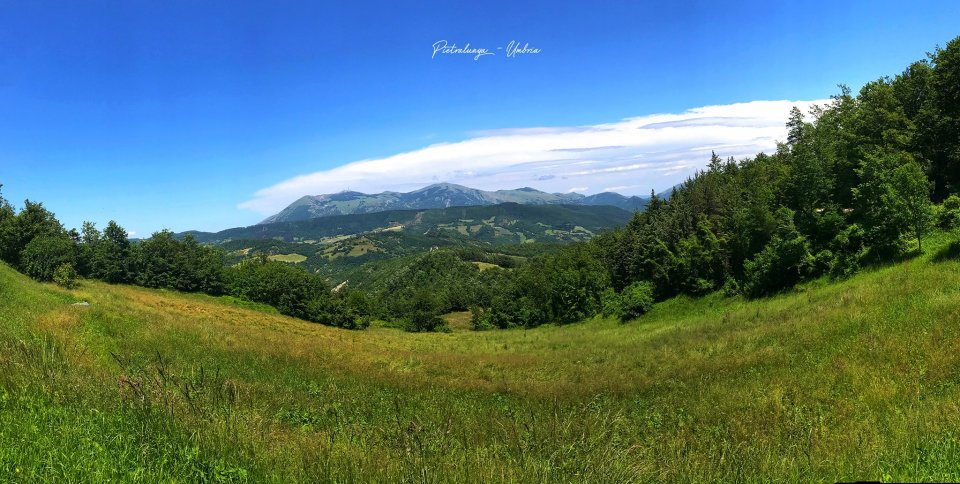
(187, 116)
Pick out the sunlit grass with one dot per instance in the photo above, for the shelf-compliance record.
(294, 258)
(834, 381)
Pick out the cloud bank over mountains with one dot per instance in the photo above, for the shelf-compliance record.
(630, 156)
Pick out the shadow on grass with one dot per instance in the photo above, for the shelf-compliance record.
(950, 252)
(871, 261)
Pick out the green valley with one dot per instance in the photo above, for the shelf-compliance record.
(832, 381)
(340, 247)
(789, 312)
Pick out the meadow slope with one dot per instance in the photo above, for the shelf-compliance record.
(834, 381)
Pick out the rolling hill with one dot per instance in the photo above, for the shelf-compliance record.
(847, 381)
(341, 245)
(440, 195)
(503, 223)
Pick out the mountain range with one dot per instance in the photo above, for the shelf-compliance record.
(507, 221)
(341, 246)
(440, 195)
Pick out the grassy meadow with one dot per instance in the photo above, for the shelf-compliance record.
(294, 258)
(842, 381)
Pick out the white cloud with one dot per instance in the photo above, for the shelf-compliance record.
(577, 189)
(654, 151)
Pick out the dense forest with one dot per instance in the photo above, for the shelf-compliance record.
(857, 182)
(853, 184)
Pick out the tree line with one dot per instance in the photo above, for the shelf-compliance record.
(859, 181)
(36, 243)
(853, 184)
(411, 293)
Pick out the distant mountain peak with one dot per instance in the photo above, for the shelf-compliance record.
(444, 185)
(438, 195)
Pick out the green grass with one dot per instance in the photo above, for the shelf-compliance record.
(843, 381)
(459, 320)
(295, 258)
(486, 265)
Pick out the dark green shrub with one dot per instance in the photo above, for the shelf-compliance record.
(480, 319)
(635, 300)
(423, 313)
(731, 288)
(65, 276)
(849, 250)
(43, 255)
(362, 322)
(822, 262)
(610, 302)
(782, 263)
(423, 322)
(333, 312)
(949, 213)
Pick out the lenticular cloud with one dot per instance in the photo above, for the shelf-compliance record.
(634, 155)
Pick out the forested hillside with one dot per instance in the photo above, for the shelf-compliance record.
(857, 182)
(504, 223)
(438, 195)
(353, 248)
(850, 186)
